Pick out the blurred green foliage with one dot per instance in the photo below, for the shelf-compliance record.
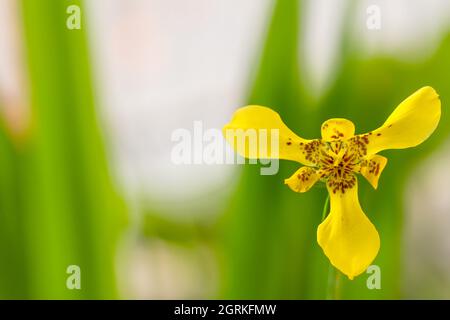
(58, 205)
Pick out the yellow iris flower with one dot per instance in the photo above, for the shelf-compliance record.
(347, 237)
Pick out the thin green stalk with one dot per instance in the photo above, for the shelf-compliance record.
(333, 274)
(333, 286)
(325, 207)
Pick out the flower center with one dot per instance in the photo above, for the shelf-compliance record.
(337, 162)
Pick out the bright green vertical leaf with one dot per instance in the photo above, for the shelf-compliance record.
(13, 276)
(73, 213)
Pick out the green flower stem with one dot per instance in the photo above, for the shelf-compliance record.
(325, 207)
(333, 286)
(333, 274)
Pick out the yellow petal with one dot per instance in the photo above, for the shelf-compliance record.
(372, 167)
(258, 132)
(411, 123)
(302, 180)
(346, 236)
(337, 129)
